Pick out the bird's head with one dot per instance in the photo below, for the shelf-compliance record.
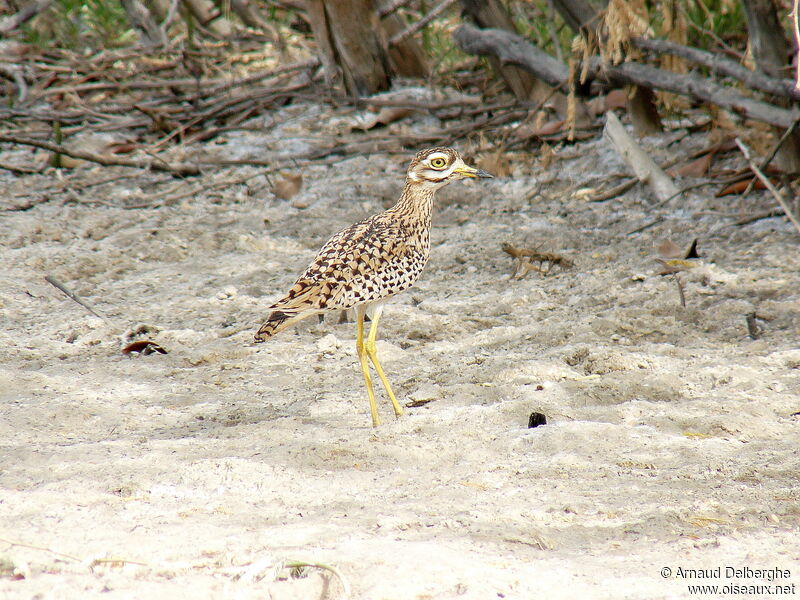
(437, 167)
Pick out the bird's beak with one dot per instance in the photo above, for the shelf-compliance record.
(468, 171)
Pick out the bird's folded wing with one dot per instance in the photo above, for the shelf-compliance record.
(349, 258)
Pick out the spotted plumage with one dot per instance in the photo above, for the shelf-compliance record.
(373, 259)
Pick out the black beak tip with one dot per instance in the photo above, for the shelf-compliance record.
(484, 174)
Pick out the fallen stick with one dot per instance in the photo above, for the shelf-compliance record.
(645, 168)
(768, 184)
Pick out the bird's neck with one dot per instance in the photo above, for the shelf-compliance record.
(416, 201)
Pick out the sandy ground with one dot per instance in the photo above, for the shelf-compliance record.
(671, 442)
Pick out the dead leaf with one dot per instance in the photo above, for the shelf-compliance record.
(121, 147)
(418, 403)
(528, 131)
(669, 249)
(739, 187)
(696, 168)
(616, 99)
(674, 259)
(143, 347)
(288, 186)
(386, 115)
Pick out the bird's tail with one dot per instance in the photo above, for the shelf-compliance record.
(277, 321)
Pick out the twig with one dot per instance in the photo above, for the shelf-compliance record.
(432, 14)
(192, 191)
(770, 156)
(15, 72)
(71, 295)
(173, 7)
(20, 170)
(103, 159)
(775, 212)
(780, 143)
(615, 191)
(43, 548)
(645, 226)
(391, 7)
(768, 184)
(681, 191)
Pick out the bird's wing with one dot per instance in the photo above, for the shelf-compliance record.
(348, 257)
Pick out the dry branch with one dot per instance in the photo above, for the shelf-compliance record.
(697, 87)
(513, 49)
(721, 65)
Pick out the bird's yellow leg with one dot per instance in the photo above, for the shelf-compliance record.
(372, 352)
(362, 357)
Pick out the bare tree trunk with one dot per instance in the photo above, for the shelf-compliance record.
(407, 58)
(349, 37)
(641, 106)
(492, 14)
(771, 52)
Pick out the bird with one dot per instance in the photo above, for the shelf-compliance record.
(365, 264)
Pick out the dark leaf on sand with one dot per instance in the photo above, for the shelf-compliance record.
(143, 347)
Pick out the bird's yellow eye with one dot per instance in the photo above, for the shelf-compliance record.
(438, 163)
